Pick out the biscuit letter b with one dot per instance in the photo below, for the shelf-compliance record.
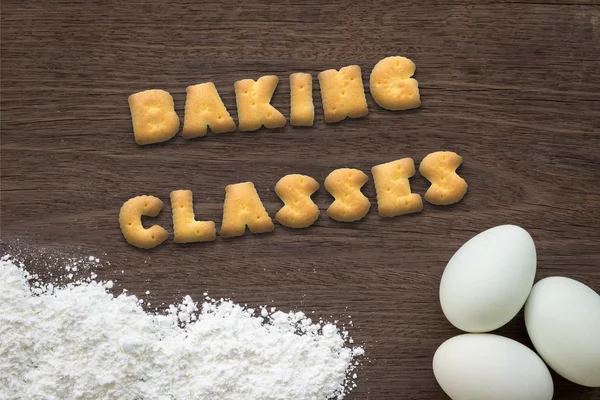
(153, 116)
(242, 207)
(130, 220)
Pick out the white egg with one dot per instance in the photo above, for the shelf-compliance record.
(488, 279)
(562, 317)
(483, 366)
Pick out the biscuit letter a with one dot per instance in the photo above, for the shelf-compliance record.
(344, 185)
(392, 86)
(446, 186)
(242, 207)
(186, 228)
(153, 116)
(254, 103)
(130, 220)
(204, 108)
(299, 210)
(393, 189)
(343, 94)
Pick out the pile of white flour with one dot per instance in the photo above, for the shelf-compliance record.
(81, 342)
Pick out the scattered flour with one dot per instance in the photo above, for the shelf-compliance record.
(78, 341)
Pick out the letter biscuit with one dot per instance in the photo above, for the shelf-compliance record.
(153, 116)
(446, 186)
(391, 84)
(344, 185)
(242, 207)
(185, 226)
(393, 189)
(299, 210)
(130, 220)
(204, 109)
(254, 103)
(301, 100)
(343, 94)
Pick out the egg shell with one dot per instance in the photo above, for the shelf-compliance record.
(483, 366)
(488, 279)
(562, 317)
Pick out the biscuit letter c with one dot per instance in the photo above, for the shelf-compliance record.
(130, 220)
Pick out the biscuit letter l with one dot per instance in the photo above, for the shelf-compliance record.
(130, 220)
(186, 228)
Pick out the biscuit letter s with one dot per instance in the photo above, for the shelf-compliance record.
(299, 210)
(446, 186)
(130, 220)
(350, 204)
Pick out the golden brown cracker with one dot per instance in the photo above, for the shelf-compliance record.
(343, 93)
(153, 116)
(393, 188)
(185, 226)
(301, 100)
(350, 203)
(254, 107)
(391, 84)
(243, 208)
(130, 220)
(299, 211)
(446, 186)
(204, 109)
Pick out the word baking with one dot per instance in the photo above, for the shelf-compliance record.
(243, 207)
(342, 92)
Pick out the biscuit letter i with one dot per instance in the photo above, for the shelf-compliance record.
(254, 103)
(242, 207)
(153, 116)
(301, 100)
(392, 86)
(344, 185)
(446, 186)
(343, 94)
(130, 220)
(205, 109)
(393, 189)
(299, 210)
(185, 226)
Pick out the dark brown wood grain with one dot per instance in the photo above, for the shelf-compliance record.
(513, 87)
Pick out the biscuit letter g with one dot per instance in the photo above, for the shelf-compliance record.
(392, 86)
(344, 185)
(130, 220)
(393, 189)
(254, 103)
(242, 207)
(440, 169)
(301, 100)
(343, 94)
(186, 228)
(204, 108)
(299, 210)
(153, 116)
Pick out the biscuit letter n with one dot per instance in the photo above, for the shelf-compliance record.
(299, 210)
(392, 86)
(301, 100)
(393, 189)
(204, 108)
(254, 103)
(185, 226)
(243, 208)
(153, 116)
(343, 94)
(446, 186)
(344, 185)
(130, 220)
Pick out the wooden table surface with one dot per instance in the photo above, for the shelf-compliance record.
(513, 87)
